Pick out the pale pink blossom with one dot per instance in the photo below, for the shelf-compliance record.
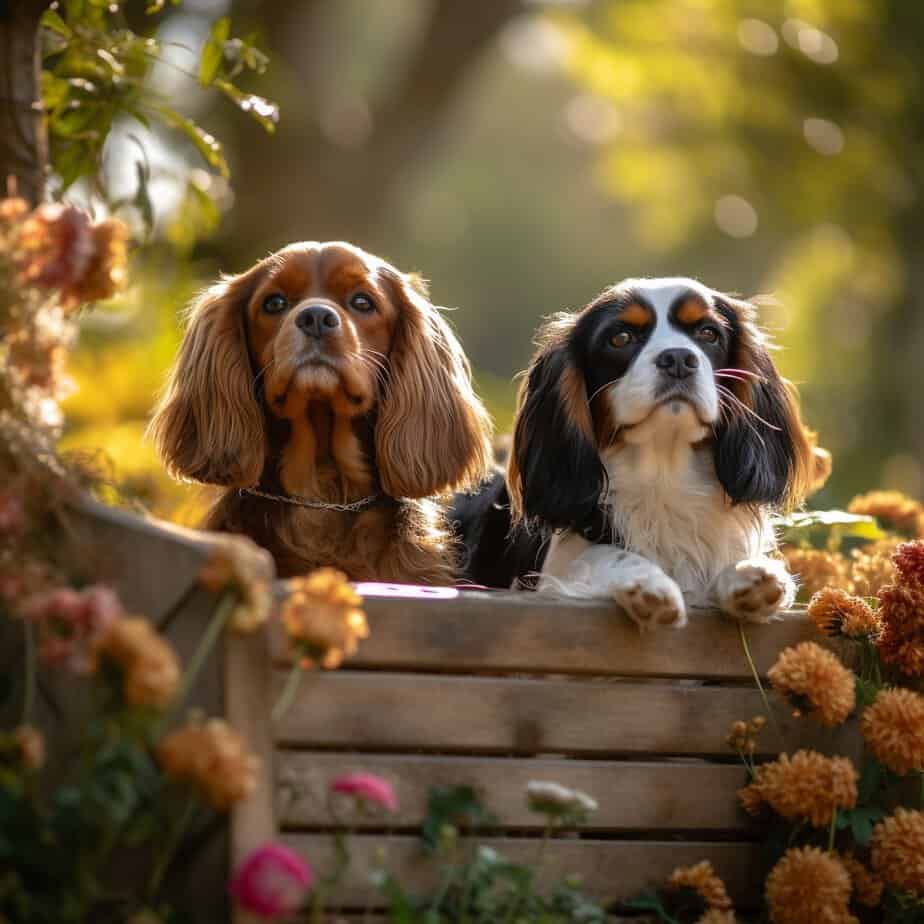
(271, 882)
(368, 787)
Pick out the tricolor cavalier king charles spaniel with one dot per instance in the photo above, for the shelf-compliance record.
(331, 401)
(653, 439)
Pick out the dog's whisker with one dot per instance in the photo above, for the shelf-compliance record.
(600, 389)
(730, 396)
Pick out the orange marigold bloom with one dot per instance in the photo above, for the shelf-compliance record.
(891, 507)
(703, 880)
(909, 562)
(898, 851)
(323, 618)
(807, 886)
(901, 642)
(836, 612)
(867, 887)
(814, 681)
(871, 567)
(150, 670)
(893, 727)
(235, 562)
(807, 785)
(211, 757)
(816, 569)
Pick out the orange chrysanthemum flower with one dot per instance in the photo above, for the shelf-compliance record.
(211, 757)
(901, 642)
(235, 562)
(909, 562)
(808, 785)
(836, 612)
(891, 507)
(323, 618)
(867, 887)
(703, 880)
(809, 885)
(871, 567)
(816, 569)
(893, 727)
(898, 851)
(814, 681)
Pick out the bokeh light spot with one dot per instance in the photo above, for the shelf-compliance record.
(592, 118)
(735, 216)
(757, 37)
(824, 136)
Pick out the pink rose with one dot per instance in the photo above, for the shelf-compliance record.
(271, 882)
(368, 787)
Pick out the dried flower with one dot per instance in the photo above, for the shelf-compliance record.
(867, 887)
(836, 612)
(55, 245)
(808, 785)
(871, 567)
(814, 681)
(893, 727)
(70, 622)
(13, 209)
(901, 642)
(703, 880)
(367, 788)
(235, 562)
(898, 851)
(809, 885)
(323, 618)
(213, 758)
(909, 562)
(105, 273)
(744, 735)
(271, 882)
(891, 507)
(150, 670)
(816, 569)
(31, 747)
(559, 802)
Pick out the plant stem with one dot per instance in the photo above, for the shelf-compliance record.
(173, 842)
(287, 696)
(763, 693)
(832, 831)
(226, 606)
(28, 696)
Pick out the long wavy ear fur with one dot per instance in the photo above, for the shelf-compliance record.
(432, 433)
(554, 475)
(767, 458)
(208, 425)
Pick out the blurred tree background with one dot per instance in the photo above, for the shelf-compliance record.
(523, 155)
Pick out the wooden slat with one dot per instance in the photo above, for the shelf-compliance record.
(405, 712)
(681, 795)
(441, 629)
(611, 870)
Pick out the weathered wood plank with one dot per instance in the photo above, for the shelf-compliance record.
(611, 870)
(682, 795)
(476, 715)
(441, 629)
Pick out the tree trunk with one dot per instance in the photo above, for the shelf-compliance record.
(23, 138)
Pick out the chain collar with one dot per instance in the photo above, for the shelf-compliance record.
(364, 503)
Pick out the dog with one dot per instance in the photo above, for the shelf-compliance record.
(332, 403)
(653, 440)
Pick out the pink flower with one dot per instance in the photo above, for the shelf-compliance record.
(11, 516)
(69, 620)
(271, 882)
(367, 787)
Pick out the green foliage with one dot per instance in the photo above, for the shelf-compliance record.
(827, 528)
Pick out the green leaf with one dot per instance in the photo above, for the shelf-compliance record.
(213, 51)
(452, 805)
(51, 20)
(817, 527)
(866, 692)
(196, 218)
(870, 778)
(207, 145)
(257, 107)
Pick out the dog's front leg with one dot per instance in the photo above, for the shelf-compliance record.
(640, 587)
(755, 590)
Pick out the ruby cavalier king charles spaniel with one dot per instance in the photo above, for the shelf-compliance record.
(332, 403)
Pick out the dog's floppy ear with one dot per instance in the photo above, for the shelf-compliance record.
(554, 475)
(208, 425)
(432, 433)
(763, 454)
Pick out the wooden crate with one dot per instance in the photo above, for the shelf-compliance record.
(496, 689)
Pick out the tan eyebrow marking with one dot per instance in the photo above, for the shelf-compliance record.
(635, 314)
(691, 310)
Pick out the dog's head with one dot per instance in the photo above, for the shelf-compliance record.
(321, 325)
(642, 347)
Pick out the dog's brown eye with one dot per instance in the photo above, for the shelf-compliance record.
(273, 304)
(362, 303)
(623, 338)
(709, 334)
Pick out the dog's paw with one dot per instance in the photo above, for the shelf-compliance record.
(755, 591)
(654, 601)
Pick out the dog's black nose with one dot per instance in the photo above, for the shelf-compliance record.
(318, 321)
(678, 364)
